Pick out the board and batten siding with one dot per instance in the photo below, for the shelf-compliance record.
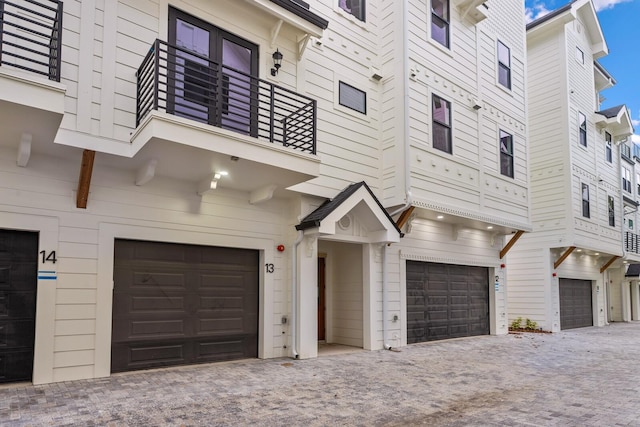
(167, 210)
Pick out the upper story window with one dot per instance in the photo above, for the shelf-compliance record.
(504, 65)
(586, 211)
(579, 55)
(352, 97)
(638, 183)
(353, 7)
(608, 153)
(625, 150)
(612, 211)
(440, 21)
(441, 112)
(626, 180)
(582, 119)
(506, 154)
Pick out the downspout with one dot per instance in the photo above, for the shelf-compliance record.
(294, 294)
(405, 115)
(384, 298)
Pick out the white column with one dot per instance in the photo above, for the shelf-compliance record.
(626, 301)
(308, 298)
(635, 301)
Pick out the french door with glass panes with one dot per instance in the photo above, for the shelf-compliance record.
(213, 77)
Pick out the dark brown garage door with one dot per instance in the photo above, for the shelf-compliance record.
(446, 301)
(575, 304)
(180, 304)
(18, 281)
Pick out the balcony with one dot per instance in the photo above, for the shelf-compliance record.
(186, 98)
(31, 97)
(632, 242)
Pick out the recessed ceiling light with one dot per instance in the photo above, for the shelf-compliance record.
(597, 253)
(579, 250)
(490, 227)
(440, 216)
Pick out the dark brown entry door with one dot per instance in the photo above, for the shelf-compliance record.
(446, 301)
(576, 310)
(179, 304)
(18, 282)
(322, 302)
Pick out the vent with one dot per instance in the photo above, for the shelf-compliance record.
(345, 222)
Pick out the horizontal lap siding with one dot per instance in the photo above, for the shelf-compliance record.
(47, 187)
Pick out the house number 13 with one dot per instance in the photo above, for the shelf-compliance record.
(270, 268)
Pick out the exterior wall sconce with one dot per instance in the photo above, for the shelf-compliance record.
(277, 62)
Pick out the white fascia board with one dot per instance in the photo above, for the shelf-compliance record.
(288, 17)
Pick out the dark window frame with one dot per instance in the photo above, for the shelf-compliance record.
(444, 21)
(608, 148)
(340, 85)
(506, 154)
(437, 124)
(504, 67)
(612, 211)
(586, 208)
(582, 129)
(358, 11)
(626, 179)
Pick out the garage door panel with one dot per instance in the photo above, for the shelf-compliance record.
(18, 282)
(183, 308)
(575, 303)
(456, 301)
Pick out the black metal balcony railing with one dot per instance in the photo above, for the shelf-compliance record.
(186, 84)
(632, 242)
(31, 36)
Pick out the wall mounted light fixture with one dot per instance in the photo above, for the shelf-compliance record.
(277, 62)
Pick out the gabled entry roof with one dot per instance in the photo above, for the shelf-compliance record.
(359, 200)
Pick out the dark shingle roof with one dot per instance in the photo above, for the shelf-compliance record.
(611, 112)
(315, 218)
(633, 270)
(298, 8)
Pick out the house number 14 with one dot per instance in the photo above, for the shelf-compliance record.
(51, 257)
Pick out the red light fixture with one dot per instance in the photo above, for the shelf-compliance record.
(280, 248)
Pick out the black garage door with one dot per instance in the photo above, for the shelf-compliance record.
(180, 304)
(446, 301)
(575, 304)
(18, 281)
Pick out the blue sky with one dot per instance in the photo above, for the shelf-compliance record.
(620, 22)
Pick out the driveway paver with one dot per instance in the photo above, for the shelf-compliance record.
(580, 377)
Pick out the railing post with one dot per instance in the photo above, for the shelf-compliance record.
(315, 125)
(56, 39)
(272, 113)
(1, 28)
(156, 73)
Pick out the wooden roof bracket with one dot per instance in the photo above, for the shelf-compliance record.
(564, 256)
(608, 263)
(510, 243)
(404, 217)
(84, 181)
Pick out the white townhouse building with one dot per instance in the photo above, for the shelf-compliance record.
(561, 273)
(188, 181)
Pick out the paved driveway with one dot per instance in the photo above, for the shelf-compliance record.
(582, 377)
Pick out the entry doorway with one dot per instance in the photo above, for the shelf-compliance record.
(322, 300)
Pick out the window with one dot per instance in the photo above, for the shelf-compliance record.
(353, 7)
(441, 111)
(607, 149)
(579, 55)
(583, 129)
(440, 21)
(585, 201)
(612, 211)
(353, 98)
(506, 154)
(626, 180)
(630, 224)
(504, 65)
(625, 150)
(638, 183)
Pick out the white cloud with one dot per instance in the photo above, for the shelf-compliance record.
(635, 122)
(536, 11)
(607, 4)
(635, 139)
